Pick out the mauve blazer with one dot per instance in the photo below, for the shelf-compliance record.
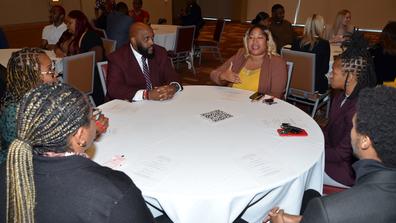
(125, 77)
(273, 73)
(337, 133)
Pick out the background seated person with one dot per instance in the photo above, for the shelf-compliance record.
(312, 42)
(52, 33)
(340, 28)
(373, 198)
(280, 28)
(81, 38)
(49, 177)
(192, 16)
(384, 54)
(262, 18)
(352, 71)
(141, 70)
(138, 14)
(255, 68)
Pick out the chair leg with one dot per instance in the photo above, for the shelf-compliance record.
(200, 56)
(219, 54)
(315, 108)
(192, 63)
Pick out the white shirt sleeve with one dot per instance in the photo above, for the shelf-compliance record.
(138, 96)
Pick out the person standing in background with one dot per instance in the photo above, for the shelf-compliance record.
(118, 23)
(280, 28)
(138, 14)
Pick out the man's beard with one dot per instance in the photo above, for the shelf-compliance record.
(145, 51)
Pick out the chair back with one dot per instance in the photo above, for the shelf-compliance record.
(303, 78)
(78, 71)
(289, 66)
(102, 68)
(218, 30)
(109, 46)
(184, 39)
(101, 32)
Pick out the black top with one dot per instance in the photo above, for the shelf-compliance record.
(89, 41)
(372, 199)
(322, 51)
(76, 189)
(193, 17)
(385, 65)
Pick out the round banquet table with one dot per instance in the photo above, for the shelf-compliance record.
(165, 35)
(198, 170)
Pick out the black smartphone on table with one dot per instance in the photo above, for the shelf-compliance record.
(256, 96)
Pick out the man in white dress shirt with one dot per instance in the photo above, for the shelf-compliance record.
(52, 33)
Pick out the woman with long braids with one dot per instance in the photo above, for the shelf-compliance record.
(48, 177)
(26, 69)
(352, 71)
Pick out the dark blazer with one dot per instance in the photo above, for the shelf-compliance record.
(372, 199)
(76, 189)
(322, 57)
(337, 133)
(125, 77)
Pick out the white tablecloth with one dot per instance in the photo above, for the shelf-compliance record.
(5, 55)
(201, 171)
(165, 35)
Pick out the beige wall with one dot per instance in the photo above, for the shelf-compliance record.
(31, 11)
(23, 11)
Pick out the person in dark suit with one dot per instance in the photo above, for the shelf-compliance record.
(192, 16)
(141, 70)
(313, 42)
(118, 23)
(373, 198)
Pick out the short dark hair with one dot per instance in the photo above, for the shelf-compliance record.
(376, 118)
(276, 7)
(260, 17)
(60, 8)
(121, 7)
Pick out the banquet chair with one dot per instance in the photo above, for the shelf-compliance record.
(102, 68)
(78, 71)
(211, 45)
(289, 75)
(109, 46)
(302, 83)
(183, 46)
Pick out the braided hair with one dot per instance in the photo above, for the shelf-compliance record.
(23, 74)
(47, 116)
(356, 60)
